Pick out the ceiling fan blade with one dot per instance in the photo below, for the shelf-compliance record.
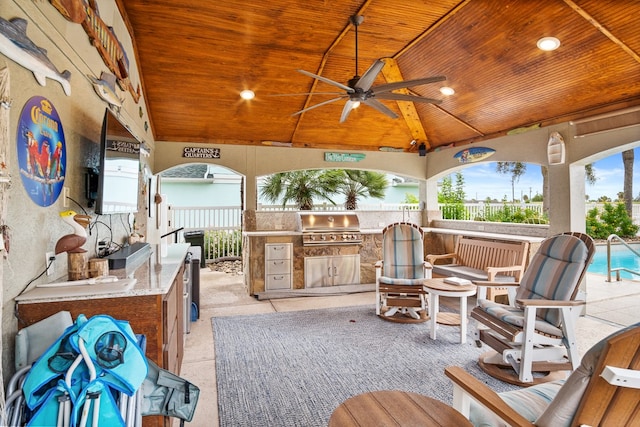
(318, 105)
(348, 106)
(326, 80)
(407, 83)
(380, 107)
(306, 94)
(369, 76)
(403, 97)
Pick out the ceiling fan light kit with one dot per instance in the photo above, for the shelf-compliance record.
(360, 89)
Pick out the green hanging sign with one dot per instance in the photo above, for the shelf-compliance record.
(343, 157)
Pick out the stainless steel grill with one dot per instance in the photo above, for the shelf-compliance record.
(334, 228)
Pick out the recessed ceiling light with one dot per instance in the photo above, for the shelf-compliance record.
(447, 91)
(548, 43)
(247, 94)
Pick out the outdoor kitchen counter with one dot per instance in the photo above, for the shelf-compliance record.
(154, 275)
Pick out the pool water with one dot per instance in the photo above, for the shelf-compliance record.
(621, 256)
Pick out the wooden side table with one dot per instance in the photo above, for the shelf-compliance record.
(395, 408)
(437, 288)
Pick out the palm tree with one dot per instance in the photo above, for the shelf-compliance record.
(516, 169)
(300, 187)
(358, 183)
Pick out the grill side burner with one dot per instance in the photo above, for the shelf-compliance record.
(333, 228)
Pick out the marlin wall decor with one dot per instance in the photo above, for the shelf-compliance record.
(16, 45)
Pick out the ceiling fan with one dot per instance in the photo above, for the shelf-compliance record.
(359, 89)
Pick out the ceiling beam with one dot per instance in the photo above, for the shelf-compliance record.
(602, 29)
(432, 28)
(392, 74)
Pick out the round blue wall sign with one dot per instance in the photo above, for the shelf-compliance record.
(42, 154)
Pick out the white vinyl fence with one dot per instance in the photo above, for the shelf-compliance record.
(222, 225)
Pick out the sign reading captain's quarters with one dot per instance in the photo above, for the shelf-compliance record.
(201, 153)
(42, 153)
(343, 157)
(126, 147)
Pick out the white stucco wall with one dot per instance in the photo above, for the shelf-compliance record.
(35, 229)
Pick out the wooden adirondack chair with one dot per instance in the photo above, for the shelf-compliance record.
(603, 391)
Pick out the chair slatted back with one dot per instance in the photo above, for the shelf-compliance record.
(591, 249)
(476, 253)
(604, 404)
(403, 251)
(555, 273)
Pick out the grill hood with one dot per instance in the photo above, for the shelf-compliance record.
(323, 222)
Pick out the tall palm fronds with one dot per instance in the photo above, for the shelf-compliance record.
(355, 184)
(299, 187)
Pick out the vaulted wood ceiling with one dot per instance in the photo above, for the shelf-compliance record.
(197, 56)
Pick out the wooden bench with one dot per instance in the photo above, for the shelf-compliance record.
(483, 259)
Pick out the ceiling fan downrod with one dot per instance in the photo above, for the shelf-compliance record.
(356, 20)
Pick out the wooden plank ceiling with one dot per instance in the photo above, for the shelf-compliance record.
(197, 56)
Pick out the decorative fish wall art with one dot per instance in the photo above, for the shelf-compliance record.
(105, 87)
(102, 38)
(16, 45)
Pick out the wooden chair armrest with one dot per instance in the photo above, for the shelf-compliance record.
(485, 396)
(505, 268)
(491, 284)
(493, 271)
(432, 258)
(548, 303)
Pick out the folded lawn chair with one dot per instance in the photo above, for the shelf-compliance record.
(80, 376)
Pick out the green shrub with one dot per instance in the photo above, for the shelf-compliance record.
(223, 243)
(611, 220)
(513, 214)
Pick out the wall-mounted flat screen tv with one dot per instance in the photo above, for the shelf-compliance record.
(119, 168)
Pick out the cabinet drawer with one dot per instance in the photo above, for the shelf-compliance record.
(170, 309)
(278, 281)
(277, 251)
(171, 350)
(278, 266)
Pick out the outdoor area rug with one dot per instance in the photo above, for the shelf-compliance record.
(295, 368)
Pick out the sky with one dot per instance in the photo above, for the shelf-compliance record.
(482, 180)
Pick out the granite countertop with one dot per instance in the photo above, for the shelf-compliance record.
(272, 233)
(152, 275)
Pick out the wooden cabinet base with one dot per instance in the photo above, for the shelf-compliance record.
(158, 317)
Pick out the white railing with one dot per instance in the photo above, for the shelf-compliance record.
(330, 208)
(222, 225)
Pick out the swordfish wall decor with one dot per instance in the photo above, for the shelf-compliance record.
(16, 45)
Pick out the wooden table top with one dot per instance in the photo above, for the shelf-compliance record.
(395, 408)
(439, 285)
